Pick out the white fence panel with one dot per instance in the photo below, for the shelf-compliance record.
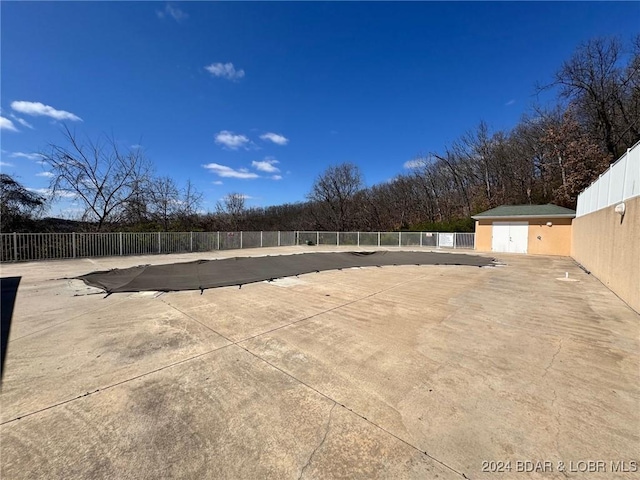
(593, 199)
(632, 177)
(446, 240)
(620, 182)
(603, 189)
(616, 181)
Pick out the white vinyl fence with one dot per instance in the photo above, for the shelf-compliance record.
(16, 247)
(620, 182)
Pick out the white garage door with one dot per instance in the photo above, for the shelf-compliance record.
(511, 237)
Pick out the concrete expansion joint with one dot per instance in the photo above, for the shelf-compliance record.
(379, 427)
(359, 415)
(238, 343)
(326, 432)
(28, 414)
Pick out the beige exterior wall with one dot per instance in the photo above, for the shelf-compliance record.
(609, 247)
(483, 235)
(554, 240)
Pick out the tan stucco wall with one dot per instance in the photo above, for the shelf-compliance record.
(483, 235)
(554, 240)
(610, 249)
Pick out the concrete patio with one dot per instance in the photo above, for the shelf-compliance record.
(393, 372)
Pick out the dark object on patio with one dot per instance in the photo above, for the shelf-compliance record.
(9, 289)
(204, 274)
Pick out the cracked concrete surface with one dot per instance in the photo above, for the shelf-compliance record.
(395, 372)
(324, 437)
(553, 359)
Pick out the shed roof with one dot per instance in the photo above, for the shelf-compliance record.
(527, 211)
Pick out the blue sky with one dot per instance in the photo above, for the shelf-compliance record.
(259, 98)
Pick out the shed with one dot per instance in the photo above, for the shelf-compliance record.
(532, 229)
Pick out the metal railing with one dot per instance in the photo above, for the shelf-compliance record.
(19, 247)
(389, 239)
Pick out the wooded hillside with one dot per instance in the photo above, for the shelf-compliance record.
(551, 155)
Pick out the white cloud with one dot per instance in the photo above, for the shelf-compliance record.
(266, 165)
(47, 192)
(228, 172)
(28, 156)
(217, 182)
(44, 174)
(22, 121)
(510, 102)
(174, 12)
(6, 124)
(230, 140)
(5, 164)
(276, 177)
(275, 138)
(413, 164)
(225, 70)
(40, 109)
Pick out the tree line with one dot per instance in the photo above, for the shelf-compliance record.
(551, 155)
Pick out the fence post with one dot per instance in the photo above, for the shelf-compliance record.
(437, 239)
(399, 239)
(260, 238)
(358, 237)
(159, 243)
(317, 238)
(337, 239)
(378, 238)
(241, 239)
(421, 238)
(73, 243)
(120, 241)
(278, 237)
(609, 186)
(455, 236)
(191, 241)
(624, 176)
(218, 239)
(15, 246)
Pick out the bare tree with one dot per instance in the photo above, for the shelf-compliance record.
(190, 200)
(188, 206)
(232, 209)
(164, 196)
(576, 156)
(333, 194)
(102, 175)
(137, 210)
(603, 92)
